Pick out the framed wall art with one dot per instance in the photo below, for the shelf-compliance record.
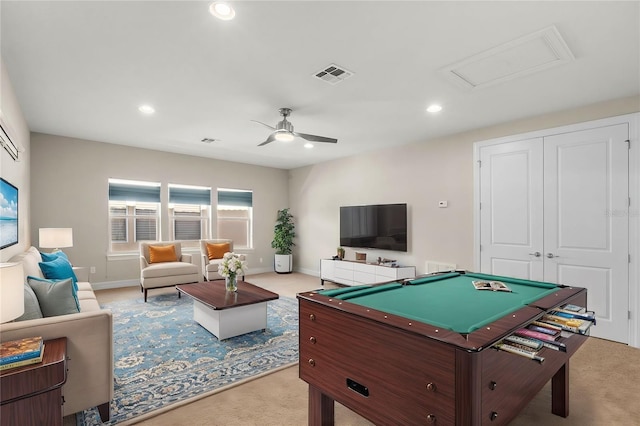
(8, 214)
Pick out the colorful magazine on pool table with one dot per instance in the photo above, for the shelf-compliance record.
(491, 285)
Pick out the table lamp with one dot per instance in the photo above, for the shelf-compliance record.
(11, 291)
(56, 238)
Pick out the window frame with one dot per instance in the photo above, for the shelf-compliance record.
(234, 204)
(133, 197)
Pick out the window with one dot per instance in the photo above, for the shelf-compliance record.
(189, 213)
(134, 214)
(235, 216)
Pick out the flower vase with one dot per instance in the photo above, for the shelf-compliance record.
(231, 283)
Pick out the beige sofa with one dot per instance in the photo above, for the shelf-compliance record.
(89, 336)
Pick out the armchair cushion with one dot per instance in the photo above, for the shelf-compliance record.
(164, 253)
(216, 251)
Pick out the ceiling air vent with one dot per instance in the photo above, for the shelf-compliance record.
(333, 74)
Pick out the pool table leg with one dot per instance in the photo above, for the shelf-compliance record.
(560, 391)
(321, 408)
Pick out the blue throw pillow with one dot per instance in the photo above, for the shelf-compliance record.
(56, 297)
(48, 257)
(58, 269)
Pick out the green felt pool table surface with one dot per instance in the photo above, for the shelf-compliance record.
(448, 300)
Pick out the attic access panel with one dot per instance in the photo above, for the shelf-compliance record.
(526, 55)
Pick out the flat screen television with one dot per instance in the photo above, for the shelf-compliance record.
(380, 226)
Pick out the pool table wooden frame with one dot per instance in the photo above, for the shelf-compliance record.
(414, 373)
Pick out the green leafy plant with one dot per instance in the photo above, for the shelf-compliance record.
(284, 232)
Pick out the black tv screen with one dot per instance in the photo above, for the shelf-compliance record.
(380, 226)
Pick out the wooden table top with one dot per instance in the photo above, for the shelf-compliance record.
(35, 378)
(215, 295)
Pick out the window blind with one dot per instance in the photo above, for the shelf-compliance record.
(119, 191)
(235, 198)
(183, 195)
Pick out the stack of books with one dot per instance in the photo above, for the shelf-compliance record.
(18, 353)
(545, 332)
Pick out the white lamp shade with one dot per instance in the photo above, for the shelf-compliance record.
(56, 237)
(11, 291)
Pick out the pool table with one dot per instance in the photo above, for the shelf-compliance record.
(420, 351)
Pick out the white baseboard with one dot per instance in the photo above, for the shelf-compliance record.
(312, 272)
(115, 284)
(255, 271)
(106, 285)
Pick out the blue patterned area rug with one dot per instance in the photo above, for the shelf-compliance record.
(163, 357)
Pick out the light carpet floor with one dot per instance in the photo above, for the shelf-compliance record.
(604, 384)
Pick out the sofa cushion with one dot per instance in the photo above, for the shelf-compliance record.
(58, 269)
(159, 254)
(216, 251)
(31, 305)
(89, 305)
(55, 297)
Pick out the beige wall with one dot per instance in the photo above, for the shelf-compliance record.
(70, 189)
(15, 172)
(420, 175)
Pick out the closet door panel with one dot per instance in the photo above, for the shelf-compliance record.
(586, 229)
(511, 209)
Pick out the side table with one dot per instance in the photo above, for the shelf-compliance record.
(32, 395)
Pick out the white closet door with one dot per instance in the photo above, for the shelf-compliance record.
(511, 209)
(586, 228)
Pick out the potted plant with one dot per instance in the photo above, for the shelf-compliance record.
(284, 232)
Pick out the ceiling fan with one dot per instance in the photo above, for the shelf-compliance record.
(283, 131)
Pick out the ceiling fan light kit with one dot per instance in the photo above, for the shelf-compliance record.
(283, 132)
(284, 136)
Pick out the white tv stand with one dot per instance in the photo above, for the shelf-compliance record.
(350, 272)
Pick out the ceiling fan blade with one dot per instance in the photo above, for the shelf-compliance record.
(270, 139)
(265, 125)
(315, 138)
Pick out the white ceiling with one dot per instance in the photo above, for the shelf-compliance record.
(82, 68)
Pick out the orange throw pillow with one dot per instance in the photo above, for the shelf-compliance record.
(217, 251)
(159, 254)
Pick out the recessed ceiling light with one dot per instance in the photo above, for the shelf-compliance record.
(308, 145)
(222, 11)
(146, 109)
(434, 108)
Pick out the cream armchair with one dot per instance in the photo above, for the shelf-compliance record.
(160, 268)
(210, 264)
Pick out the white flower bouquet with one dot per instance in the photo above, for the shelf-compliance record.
(232, 265)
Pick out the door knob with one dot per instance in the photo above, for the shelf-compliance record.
(535, 253)
(551, 255)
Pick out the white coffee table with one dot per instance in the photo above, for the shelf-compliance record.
(227, 314)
